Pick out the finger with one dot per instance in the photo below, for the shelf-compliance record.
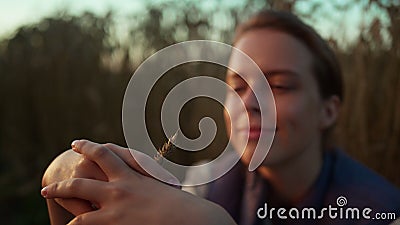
(125, 155)
(87, 189)
(111, 164)
(74, 205)
(94, 217)
(155, 169)
(130, 156)
(86, 168)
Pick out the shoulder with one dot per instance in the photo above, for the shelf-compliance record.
(361, 185)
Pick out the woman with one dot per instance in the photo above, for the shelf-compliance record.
(301, 170)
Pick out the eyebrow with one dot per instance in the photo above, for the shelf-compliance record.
(267, 73)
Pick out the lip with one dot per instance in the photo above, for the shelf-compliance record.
(254, 132)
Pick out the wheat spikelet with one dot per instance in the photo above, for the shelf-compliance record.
(166, 148)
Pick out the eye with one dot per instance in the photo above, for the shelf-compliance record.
(282, 84)
(238, 86)
(282, 87)
(283, 81)
(239, 89)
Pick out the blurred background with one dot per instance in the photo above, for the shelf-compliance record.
(64, 67)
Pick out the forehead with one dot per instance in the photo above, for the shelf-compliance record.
(272, 50)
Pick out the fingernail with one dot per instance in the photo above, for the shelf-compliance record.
(44, 192)
(74, 145)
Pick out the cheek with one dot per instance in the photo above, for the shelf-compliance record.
(227, 120)
(233, 113)
(235, 118)
(297, 113)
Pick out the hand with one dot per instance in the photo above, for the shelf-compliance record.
(70, 165)
(128, 197)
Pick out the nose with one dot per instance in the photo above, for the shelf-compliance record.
(250, 101)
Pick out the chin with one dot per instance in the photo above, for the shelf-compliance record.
(248, 153)
(282, 156)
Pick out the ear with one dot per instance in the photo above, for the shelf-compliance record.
(329, 111)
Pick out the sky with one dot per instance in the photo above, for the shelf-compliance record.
(16, 13)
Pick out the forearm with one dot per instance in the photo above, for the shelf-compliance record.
(58, 215)
(213, 214)
(194, 210)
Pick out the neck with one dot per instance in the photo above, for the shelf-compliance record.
(291, 180)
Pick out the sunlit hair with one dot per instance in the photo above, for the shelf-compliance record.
(326, 68)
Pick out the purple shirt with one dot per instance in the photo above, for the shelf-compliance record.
(343, 184)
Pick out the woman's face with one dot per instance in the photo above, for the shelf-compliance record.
(287, 65)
